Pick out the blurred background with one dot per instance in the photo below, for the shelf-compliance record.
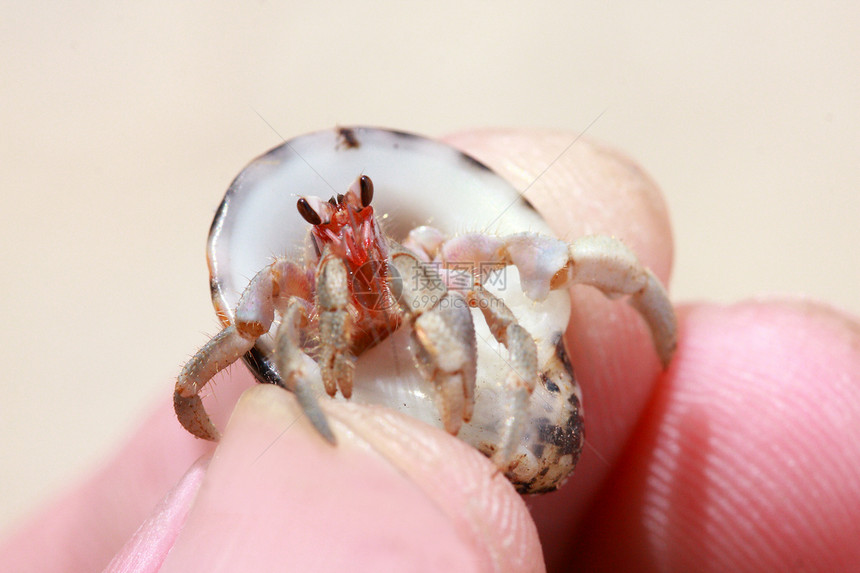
(122, 126)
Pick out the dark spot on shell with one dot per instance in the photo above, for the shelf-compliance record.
(561, 354)
(524, 487)
(347, 139)
(567, 438)
(214, 287)
(537, 450)
(548, 384)
(549, 433)
(548, 489)
(574, 433)
(573, 400)
(544, 471)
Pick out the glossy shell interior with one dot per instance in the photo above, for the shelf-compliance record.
(417, 181)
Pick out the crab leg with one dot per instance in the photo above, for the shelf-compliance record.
(443, 337)
(291, 359)
(254, 316)
(337, 364)
(444, 349)
(221, 351)
(609, 265)
(546, 263)
(523, 372)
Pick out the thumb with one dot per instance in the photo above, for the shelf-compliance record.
(395, 494)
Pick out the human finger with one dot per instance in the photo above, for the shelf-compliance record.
(93, 519)
(394, 494)
(748, 456)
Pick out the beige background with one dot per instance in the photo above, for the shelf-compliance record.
(121, 127)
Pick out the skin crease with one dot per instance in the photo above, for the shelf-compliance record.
(744, 455)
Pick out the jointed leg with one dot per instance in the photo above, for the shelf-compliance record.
(290, 360)
(254, 315)
(607, 264)
(443, 343)
(335, 359)
(337, 364)
(443, 337)
(546, 263)
(523, 372)
(221, 351)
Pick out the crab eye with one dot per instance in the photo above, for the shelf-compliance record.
(307, 212)
(366, 190)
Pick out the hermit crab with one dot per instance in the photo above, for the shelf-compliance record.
(383, 267)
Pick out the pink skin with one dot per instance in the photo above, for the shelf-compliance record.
(744, 455)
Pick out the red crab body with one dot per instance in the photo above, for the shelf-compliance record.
(348, 230)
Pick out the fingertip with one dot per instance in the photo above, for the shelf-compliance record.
(390, 495)
(748, 456)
